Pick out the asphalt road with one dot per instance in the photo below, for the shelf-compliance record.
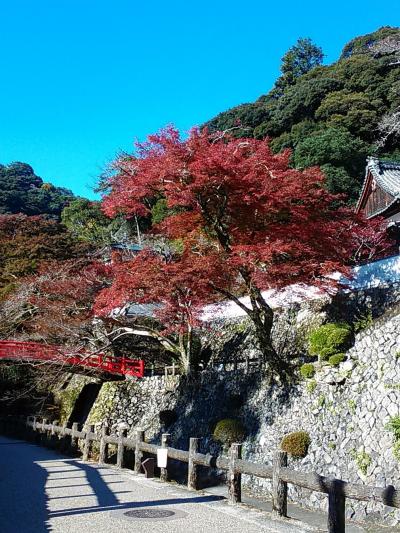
(43, 491)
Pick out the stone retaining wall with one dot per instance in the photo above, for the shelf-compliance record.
(346, 410)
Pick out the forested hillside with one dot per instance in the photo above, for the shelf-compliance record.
(22, 191)
(330, 115)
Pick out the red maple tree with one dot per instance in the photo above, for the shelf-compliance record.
(240, 221)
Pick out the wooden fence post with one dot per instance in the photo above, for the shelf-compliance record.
(88, 442)
(35, 429)
(138, 451)
(279, 487)
(120, 450)
(192, 467)
(165, 441)
(64, 439)
(336, 507)
(53, 435)
(74, 438)
(43, 433)
(234, 479)
(103, 446)
(53, 427)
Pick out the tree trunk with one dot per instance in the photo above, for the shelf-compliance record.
(262, 317)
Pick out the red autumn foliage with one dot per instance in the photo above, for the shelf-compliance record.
(28, 242)
(245, 220)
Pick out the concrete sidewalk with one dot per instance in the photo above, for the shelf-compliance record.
(43, 491)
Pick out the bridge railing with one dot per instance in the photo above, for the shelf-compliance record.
(34, 351)
(278, 472)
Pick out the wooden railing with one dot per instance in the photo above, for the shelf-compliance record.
(280, 475)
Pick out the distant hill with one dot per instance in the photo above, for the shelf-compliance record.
(334, 115)
(22, 191)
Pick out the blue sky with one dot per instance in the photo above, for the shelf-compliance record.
(81, 79)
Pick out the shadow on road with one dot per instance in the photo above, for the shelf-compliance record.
(23, 501)
(25, 507)
(107, 500)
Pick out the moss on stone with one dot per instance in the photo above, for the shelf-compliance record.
(311, 386)
(307, 370)
(363, 322)
(362, 459)
(104, 403)
(66, 399)
(352, 406)
(336, 359)
(321, 401)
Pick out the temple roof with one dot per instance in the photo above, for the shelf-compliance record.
(386, 175)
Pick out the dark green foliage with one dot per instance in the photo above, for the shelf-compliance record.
(335, 360)
(298, 60)
(328, 115)
(21, 191)
(362, 45)
(296, 444)
(159, 211)
(307, 370)
(228, 431)
(329, 339)
(394, 426)
(242, 120)
(86, 222)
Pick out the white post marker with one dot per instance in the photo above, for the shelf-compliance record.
(162, 456)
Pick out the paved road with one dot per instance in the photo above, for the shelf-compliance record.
(43, 491)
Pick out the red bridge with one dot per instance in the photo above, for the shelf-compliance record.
(34, 351)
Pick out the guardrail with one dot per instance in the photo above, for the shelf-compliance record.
(280, 475)
(35, 351)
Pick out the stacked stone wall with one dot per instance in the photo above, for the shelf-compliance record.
(345, 411)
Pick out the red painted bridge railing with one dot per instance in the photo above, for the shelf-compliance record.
(34, 351)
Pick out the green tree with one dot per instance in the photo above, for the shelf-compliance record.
(22, 191)
(341, 155)
(86, 222)
(298, 60)
(332, 115)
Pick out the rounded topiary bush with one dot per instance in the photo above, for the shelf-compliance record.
(228, 431)
(296, 444)
(335, 360)
(307, 370)
(329, 339)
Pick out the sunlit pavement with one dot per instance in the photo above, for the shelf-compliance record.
(42, 491)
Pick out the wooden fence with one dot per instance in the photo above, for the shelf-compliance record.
(280, 475)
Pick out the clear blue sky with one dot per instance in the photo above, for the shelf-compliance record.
(80, 79)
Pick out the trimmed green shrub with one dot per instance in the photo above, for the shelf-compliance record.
(228, 431)
(307, 370)
(329, 339)
(335, 360)
(296, 444)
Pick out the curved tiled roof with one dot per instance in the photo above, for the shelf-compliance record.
(387, 176)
